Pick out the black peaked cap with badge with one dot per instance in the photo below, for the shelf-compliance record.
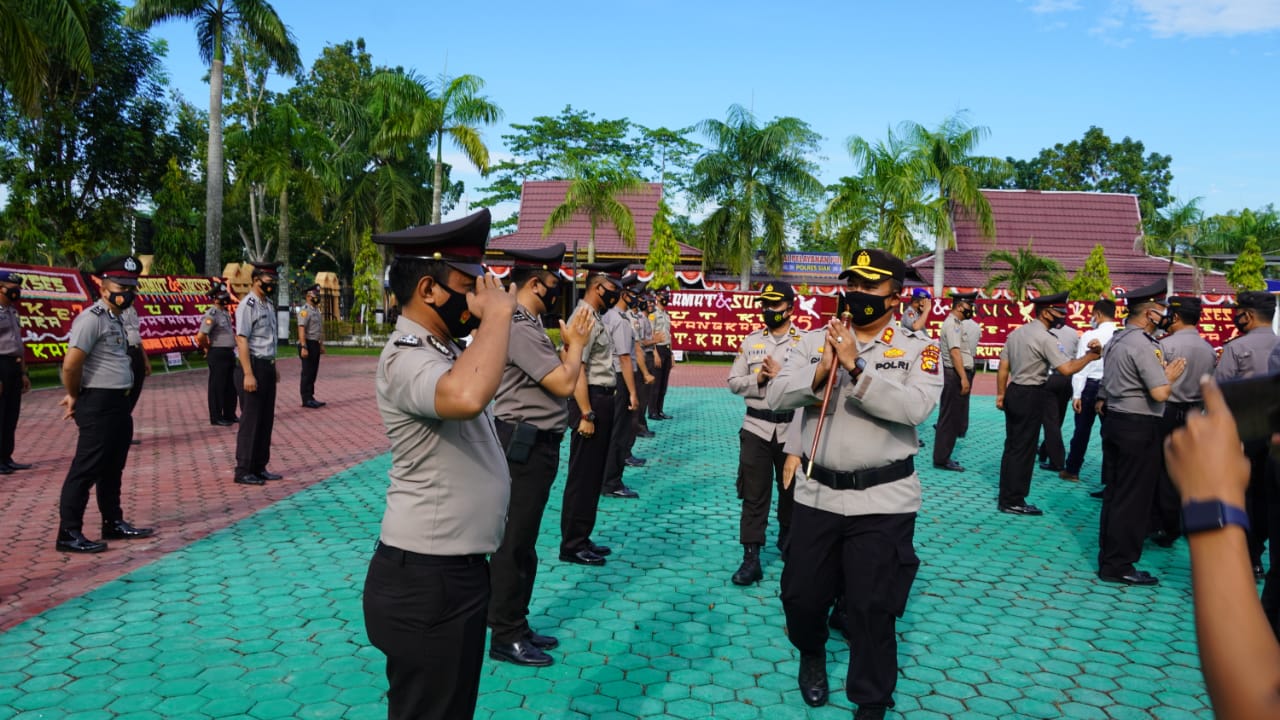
(460, 243)
(1057, 301)
(123, 270)
(875, 265)
(776, 291)
(1260, 300)
(968, 297)
(1154, 292)
(547, 258)
(270, 268)
(612, 270)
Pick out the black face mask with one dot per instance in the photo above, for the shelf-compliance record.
(13, 294)
(553, 293)
(268, 288)
(611, 297)
(122, 300)
(967, 313)
(1057, 321)
(774, 319)
(865, 308)
(1166, 322)
(1242, 323)
(455, 313)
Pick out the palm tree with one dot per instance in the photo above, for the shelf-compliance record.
(754, 173)
(1174, 232)
(32, 32)
(1026, 270)
(891, 183)
(849, 216)
(455, 113)
(594, 191)
(216, 22)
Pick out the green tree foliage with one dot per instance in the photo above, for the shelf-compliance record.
(34, 36)
(1227, 234)
(1174, 232)
(594, 191)
(1025, 270)
(176, 223)
(1246, 272)
(664, 252)
(1093, 280)
(455, 113)
(367, 282)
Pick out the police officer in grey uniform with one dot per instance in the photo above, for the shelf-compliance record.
(310, 346)
(662, 347)
(972, 335)
(915, 316)
(98, 377)
(641, 326)
(1052, 452)
(1245, 356)
(626, 399)
(1029, 353)
(1182, 341)
(218, 340)
(14, 381)
(857, 496)
(957, 370)
(137, 356)
(761, 451)
(531, 416)
(1135, 383)
(256, 376)
(426, 594)
(591, 414)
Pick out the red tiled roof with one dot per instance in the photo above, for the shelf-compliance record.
(1063, 226)
(539, 198)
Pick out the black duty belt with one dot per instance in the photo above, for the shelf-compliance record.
(861, 479)
(121, 392)
(599, 389)
(263, 358)
(544, 436)
(404, 557)
(773, 417)
(1184, 406)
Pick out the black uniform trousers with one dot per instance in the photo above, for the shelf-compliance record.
(664, 377)
(257, 418)
(1271, 590)
(222, 386)
(1023, 412)
(1051, 449)
(138, 362)
(759, 468)
(622, 436)
(513, 567)
(871, 560)
(587, 457)
(964, 419)
(953, 415)
(1131, 449)
(1083, 427)
(10, 403)
(427, 614)
(1166, 508)
(1257, 498)
(310, 368)
(102, 449)
(644, 393)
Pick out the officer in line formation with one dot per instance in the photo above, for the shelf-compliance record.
(957, 369)
(99, 378)
(137, 357)
(761, 440)
(628, 371)
(642, 329)
(217, 338)
(310, 346)
(662, 356)
(1052, 453)
(1084, 386)
(256, 376)
(14, 381)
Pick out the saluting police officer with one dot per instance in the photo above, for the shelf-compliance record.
(426, 595)
(137, 356)
(1029, 353)
(662, 351)
(591, 414)
(98, 376)
(310, 346)
(531, 418)
(915, 316)
(626, 398)
(957, 379)
(1135, 383)
(256, 376)
(857, 496)
(761, 452)
(14, 381)
(218, 340)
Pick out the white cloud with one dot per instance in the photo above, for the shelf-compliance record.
(1198, 18)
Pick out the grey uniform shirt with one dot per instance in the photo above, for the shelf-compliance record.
(216, 323)
(10, 332)
(1246, 355)
(531, 356)
(952, 336)
(870, 423)
(909, 317)
(597, 356)
(1068, 338)
(1187, 344)
(132, 326)
(662, 324)
(972, 337)
(622, 336)
(449, 480)
(1273, 365)
(1134, 367)
(100, 334)
(312, 322)
(1031, 351)
(256, 320)
(744, 376)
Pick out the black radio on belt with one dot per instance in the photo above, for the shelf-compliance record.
(519, 439)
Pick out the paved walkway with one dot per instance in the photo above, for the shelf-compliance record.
(261, 618)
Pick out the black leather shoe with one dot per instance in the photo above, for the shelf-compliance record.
(634, 462)
(1096, 494)
(542, 642)
(655, 417)
(664, 416)
(1259, 573)
(951, 465)
(17, 465)
(267, 475)
(623, 492)
(235, 418)
(6, 470)
(582, 557)
(869, 713)
(135, 442)
(1050, 466)
(813, 679)
(520, 652)
(1068, 475)
(1021, 510)
(312, 404)
(646, 434)
(601, 550)
(121, 530)
(250, 479)
(222, 423)
(1137, 577)
(1162, 538)
(74, 541)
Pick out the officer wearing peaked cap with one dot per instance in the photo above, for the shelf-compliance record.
(1135, 383)
(14, 382)
(310, 346)
(626, 399)
(426, 594)
(957, 368)
(98, 377)
(662, 353)
(218, 340)
(1029, 353)
(256, 376)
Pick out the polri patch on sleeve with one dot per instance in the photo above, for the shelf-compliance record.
(929, 359)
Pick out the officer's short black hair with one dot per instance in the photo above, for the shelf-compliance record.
(1187, 315)
(601, 280)
(406, 272)
(522, 274)
(1106, 308)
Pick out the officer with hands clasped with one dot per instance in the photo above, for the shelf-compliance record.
(857, 495)
(426, 594)
(218, 340)
(531, 416)
(98, 376)
(256, 376)
(763, 434)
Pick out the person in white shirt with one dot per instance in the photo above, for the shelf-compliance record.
(1084, 386)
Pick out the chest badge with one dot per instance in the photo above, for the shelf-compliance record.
(894, 353)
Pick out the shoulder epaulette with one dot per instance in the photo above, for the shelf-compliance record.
(441, 347)
(251, 301)
(521, 316)
(408, 341)
(97, 309)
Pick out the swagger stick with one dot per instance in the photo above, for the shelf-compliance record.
(826, 398)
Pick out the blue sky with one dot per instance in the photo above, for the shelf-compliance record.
(1195, 79)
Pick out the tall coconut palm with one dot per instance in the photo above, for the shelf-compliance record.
(455, 113)
(216, 22)
(593, 191)
(32, 32)
(1174, 232)
(1026, 270)
(754, 173)
(891, 181)
(849, 217)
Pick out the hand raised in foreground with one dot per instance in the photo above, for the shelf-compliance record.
(1204, 458)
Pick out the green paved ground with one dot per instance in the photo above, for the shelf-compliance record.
(263, 620)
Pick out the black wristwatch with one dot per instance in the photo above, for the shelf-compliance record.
(1200, 516)
(858, 366)
(590, 417)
